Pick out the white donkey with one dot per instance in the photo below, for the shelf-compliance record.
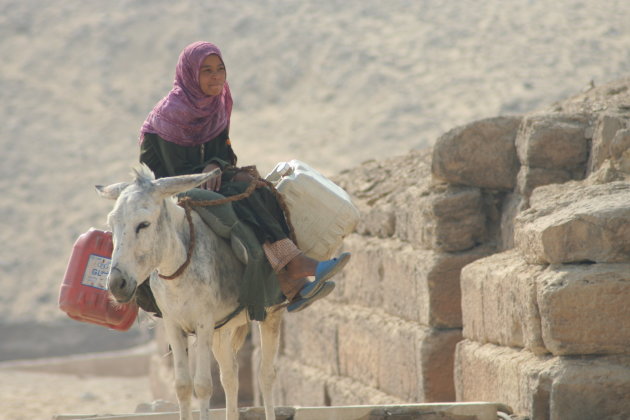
(151, 236)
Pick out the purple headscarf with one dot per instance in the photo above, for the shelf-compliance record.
(187, 116)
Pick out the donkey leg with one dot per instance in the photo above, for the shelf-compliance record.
(225, 346)
(183, 383)
(203, 369)
(269, 337)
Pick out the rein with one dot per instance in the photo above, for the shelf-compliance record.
(191, 246)
(187, 203)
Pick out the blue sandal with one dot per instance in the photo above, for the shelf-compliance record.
(324, 271)
(303, 303)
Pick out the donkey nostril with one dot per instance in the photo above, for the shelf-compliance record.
(123, 283)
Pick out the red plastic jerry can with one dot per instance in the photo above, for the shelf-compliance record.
(83, 294)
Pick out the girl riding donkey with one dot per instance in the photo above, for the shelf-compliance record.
(187, 132)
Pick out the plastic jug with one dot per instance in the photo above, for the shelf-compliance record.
(83, 294)
(322, 213)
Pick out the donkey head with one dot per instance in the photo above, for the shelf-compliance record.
(140, 225)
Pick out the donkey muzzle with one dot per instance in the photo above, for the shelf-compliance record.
(121, 287)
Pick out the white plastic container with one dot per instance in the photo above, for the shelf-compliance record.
(322, 213)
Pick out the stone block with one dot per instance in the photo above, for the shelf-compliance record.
(620, 150)
(547, 198)
(417, 368)
(620, 143)
(377, 187)
(480, 154)
(544, 387)
(517, 378)
(342, 390)
(313, 333)
(562, 309)
(591, 388)
(606, 128)
(512, 206)
(379, 221)
(416, 285)
(584, 308)
(444, 217)
(361, 282)
(573, 223)
(397, 198)
(300, 385)
(553, 141)
(499, 302)
(529, 178)
(297, 384)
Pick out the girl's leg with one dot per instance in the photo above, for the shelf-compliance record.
(290, 265)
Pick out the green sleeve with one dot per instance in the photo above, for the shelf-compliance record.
(169, 159)
(222, 163)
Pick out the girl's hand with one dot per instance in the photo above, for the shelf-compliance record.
(214, 183)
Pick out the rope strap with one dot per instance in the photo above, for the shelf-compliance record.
(189, 251)
(187, 203)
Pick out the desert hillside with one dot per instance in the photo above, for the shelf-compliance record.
(331, 83)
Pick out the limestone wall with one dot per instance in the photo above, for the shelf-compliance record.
(493, 267)
(388, 332)
(546, 324)
(531, 214)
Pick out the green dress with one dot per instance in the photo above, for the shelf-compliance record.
(253, 221)
(260, 210)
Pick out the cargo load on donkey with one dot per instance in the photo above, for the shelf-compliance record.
(322, 214)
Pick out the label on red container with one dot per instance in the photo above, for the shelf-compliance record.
(96, 271)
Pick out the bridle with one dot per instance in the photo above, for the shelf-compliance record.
(185, 203)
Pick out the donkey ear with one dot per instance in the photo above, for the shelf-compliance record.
(177, 184)
(111, 191)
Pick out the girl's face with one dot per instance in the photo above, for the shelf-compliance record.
(212, 75)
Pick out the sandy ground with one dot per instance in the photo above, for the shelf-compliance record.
(331, 83)
(32, 395)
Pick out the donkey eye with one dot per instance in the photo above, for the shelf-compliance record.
(141, 226)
